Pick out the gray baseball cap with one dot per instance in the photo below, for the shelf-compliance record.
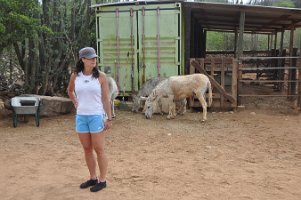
(87, 52)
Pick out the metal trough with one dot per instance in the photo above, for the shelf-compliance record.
(25, 106)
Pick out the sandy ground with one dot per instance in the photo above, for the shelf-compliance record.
(240, 155)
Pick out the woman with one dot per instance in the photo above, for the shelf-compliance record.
(89, 91)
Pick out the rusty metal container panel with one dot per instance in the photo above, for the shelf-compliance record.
(116, 45)
(139, 42)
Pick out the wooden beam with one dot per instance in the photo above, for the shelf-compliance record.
(275, 42)
(237, 8)
(241, 34)
(299, 77)
(279, 61)
(222, 81)
(214, 83)
(234, 82)
(272, 22)
(187, 35)
(235, 42)
(204, 44)
(291, 53)
(269, 41)
(255, 25)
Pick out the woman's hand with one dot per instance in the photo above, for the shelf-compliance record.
(75, 104)
(108, 124)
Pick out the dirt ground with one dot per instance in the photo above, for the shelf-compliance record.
(240, 155)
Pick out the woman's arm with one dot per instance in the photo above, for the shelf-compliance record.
(105, 95)
(70, 89)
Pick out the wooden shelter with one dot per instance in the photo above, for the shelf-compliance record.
(275, 68)
(140, 40)
(240, 19)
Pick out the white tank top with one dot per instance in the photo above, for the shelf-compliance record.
(88, 95)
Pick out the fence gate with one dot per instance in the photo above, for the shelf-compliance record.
(267, 77)
(222, 73)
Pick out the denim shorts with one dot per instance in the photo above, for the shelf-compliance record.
(89, 123)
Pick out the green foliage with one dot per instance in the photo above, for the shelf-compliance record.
(18, 20)
(2, 27)
(219, 41)
(278, 3)
(297, 3)
(212, 1)
(215, 41)
(284, 3)
(298, 38)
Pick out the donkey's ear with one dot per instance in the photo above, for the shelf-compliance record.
(142, 98)
(154, 94)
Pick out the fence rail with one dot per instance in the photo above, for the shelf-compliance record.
(253, 77)
(283, 73)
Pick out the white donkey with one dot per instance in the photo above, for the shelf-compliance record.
(177, 88)
(113, 93)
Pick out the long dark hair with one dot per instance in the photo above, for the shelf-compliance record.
(79, 67)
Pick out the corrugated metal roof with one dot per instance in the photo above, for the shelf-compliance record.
(257, 18)
(225, 17)
(133, 3)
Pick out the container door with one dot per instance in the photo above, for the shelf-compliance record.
(159, 42)
(116, 43)
(137, 43)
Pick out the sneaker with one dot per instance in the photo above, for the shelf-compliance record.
(88, 183)
(98, 186)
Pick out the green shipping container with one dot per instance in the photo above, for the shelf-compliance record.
(139, 42)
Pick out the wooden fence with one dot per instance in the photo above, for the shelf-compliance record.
(232, 78)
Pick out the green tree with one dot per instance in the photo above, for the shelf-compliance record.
(297, 3)
(17, 21)
(215, 41)
(73, 26)
(20, 23)
(46, 37)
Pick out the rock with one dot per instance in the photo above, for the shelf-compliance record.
(7, 104)
(1, 104)
(241, 108)
(53, 106)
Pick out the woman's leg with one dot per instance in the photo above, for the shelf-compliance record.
(98, 142)
(85, 139)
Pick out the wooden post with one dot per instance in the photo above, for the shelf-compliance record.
(239, 84)
(299, 82)
(234, 82)
(281, 63)
(204, 45)
(187, 35)
(268, 42)
(193, 37)
(202, 63)
(212, 67)
(191, 71)
(191, 68)
(200, 68)
(275, 43)
(241, 33)
(294, 77)
(222, 81)
(235, 43)
(290, 71)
